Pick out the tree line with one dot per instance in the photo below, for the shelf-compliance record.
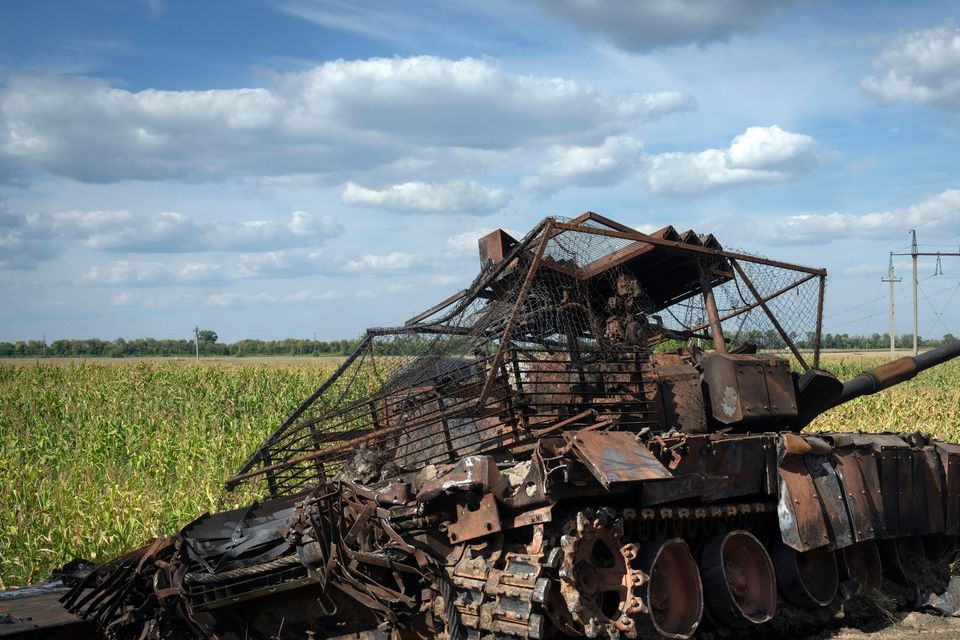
(770, 339)
(121, 348)
(398, 345)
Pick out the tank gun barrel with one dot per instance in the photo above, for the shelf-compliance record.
(896, 371)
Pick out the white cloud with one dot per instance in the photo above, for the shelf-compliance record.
(756, 156)
(457, 196)
(125, 272)
(649, 24)
(171, 232)
(235, 298)
(939, 212)
(293, 263)
(27, 239)
(338, 119)
(22, 244)
(290, 263)
(395, 261)
(606, 164)
(134, 299)
(921, 67)
(447, 279)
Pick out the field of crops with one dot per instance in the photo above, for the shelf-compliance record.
(96, 457)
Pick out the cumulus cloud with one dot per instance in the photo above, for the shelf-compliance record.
(147, 274)
(27, 239)
(921, 67)
(290, 263)
(606, 164)
(650, 24)
(337, 119)
(392, 262)
(234, 298)
(457, 196)
(939, 212)
(22, 244)
(171, 232)
(756, 156)
(137, 299)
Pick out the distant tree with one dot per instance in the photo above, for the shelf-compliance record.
(207, 336)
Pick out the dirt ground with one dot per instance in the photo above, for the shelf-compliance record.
(914, 625)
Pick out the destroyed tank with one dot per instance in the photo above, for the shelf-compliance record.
(602, 437)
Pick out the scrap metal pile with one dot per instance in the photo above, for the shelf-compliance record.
(554, 452)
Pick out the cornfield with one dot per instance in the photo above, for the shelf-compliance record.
(95, 457)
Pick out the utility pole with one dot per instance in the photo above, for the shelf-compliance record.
(913, 254)
(196, 340)
(891, 279)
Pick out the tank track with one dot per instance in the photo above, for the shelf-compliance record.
(506, 590)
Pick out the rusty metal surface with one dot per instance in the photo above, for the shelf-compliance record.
(748, 388)
(857, 471)
(616, 457)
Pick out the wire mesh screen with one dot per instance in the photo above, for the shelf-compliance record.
(559, 332)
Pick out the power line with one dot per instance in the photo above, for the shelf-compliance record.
(914, 254)
(939, 315)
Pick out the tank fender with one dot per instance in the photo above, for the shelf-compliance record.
(842, 489)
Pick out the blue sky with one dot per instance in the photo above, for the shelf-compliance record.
(309, 167)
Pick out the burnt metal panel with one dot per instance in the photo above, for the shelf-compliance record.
(802, 524)
(868, 463)
(950, 461)
(859, 495)
(735, 467)
(495, 246)
(746, 388)
(834, 507)
(953, 494)
(616, 457)
(905, 493)
(927, 471)
(889, 487)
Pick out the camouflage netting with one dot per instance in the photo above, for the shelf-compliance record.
(534, 342)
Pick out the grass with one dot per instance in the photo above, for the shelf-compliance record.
(96, 457)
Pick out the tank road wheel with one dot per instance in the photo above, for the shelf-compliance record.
(809, 579)
(862, 561)
(673, 592)
(739, 580)
(597, 581)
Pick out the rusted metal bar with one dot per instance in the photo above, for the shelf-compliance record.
(773, 320)
(508, 329)
(710, 303)
(680, 246)
(435, 308)
(564, 423)
(817, 336)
